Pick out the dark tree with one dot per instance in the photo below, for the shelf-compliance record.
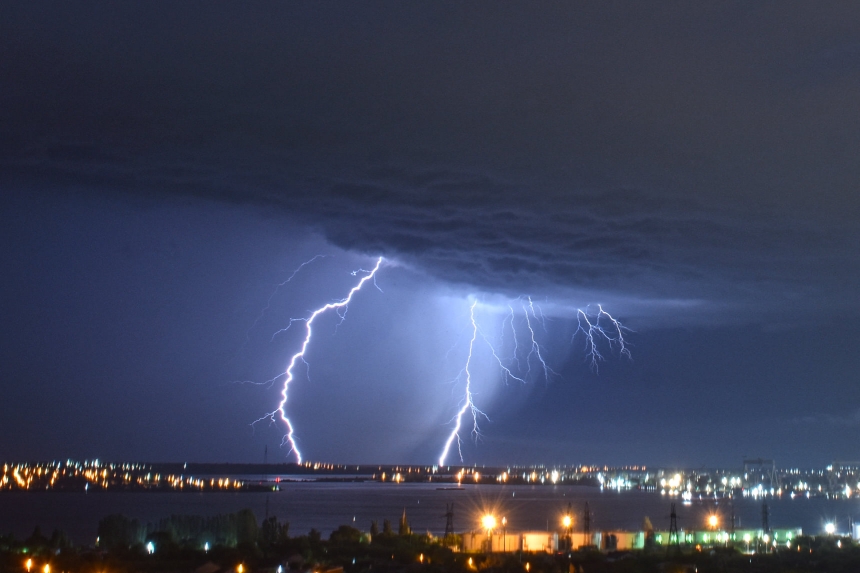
(374, 528)
(246, 527)
(345, 535)
(404, 528)
(273, 533)
(119, 532)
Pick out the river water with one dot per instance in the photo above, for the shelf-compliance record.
(325, 506)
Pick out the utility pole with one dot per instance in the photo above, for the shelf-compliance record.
(586, 523)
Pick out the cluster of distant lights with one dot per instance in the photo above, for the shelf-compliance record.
(606, 476)
(681, 484)
(100, 476)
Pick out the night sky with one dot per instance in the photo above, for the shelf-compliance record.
(692, 167)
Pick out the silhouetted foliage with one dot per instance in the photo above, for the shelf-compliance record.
(246, 527)
(345, 534)
(273, 533)
(119, 532)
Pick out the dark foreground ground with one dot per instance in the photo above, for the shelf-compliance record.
(236, 543)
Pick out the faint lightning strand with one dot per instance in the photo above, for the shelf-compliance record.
(280, 411)
(468, 403)
(505, 369)
(592, 330)
(279, 285)
(535, 347)
(516, 343)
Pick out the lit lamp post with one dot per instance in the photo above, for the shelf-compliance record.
(489, 523)
(504, 534)
(28, 564)
(713, 522)
(567, 521)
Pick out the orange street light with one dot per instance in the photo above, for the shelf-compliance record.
(489, 522)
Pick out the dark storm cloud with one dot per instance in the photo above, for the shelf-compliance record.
(495, 235)
(675, 152)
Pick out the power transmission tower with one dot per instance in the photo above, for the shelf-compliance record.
(674, 540)
(449, 519)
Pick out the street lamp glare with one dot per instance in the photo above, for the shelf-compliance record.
(566, 521)
(489, 522)
(830, 528)
(713, 521)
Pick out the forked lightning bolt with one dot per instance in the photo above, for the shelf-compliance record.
(288, 375)
(589, 324)
(613, 334)
(468, 403)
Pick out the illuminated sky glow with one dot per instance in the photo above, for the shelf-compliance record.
(689, 171)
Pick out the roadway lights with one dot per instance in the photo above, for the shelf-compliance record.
(830, 529)
(713, 521)
(566, 521)
(28, 564)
